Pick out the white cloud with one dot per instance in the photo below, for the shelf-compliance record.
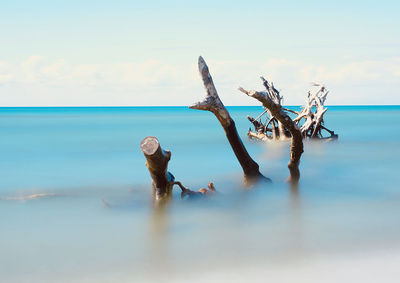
(40, 81)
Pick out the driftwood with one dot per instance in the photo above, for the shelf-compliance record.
(278, 125)
(163, 181)
(200, 193)
(271, 100)
(309, 120)
(157, 162)
(313, 124)
(213, 103)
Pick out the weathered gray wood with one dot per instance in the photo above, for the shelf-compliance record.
(296, 148)
(310, 119)
(312, 126)
(278, 131)
(213, 103)
(257, 136)
(157, 163)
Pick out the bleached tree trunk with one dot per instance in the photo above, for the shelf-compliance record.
(213, 103)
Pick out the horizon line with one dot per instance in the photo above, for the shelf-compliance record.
(131, 106)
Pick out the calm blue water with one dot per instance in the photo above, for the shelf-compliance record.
(348, 198)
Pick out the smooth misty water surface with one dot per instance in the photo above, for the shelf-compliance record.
(98, 223)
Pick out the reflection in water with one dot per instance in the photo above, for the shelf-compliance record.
(158, 237)
(296, 222)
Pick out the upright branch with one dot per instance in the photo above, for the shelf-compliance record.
(213, 103)
(278, 131)
(274, 107)
(313, 115)
(157, 163)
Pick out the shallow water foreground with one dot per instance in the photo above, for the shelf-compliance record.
(89, 217)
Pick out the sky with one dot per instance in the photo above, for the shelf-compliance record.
(136, 53)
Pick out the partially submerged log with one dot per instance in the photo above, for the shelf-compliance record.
(271, 101)
(157, 163)
(200, 193)
(278, 126)
(309, 119)
(163, 181)
(213, 103)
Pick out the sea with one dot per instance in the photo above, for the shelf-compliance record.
(76, 202)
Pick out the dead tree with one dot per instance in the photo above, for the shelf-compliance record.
(282, 127)
(312, 127)
(213, 103)
(157, 163)
(162, 181)
(272, 102)
(309, 119)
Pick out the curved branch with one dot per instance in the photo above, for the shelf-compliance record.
(201, 192)
(213, 103)
(296, 148)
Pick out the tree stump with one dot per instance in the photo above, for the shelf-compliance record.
(157, 163)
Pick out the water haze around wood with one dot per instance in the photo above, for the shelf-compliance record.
(75, 199)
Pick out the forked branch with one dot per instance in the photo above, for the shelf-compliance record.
(213, 103)
(296, 148)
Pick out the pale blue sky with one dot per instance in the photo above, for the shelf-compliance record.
(145, 53)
